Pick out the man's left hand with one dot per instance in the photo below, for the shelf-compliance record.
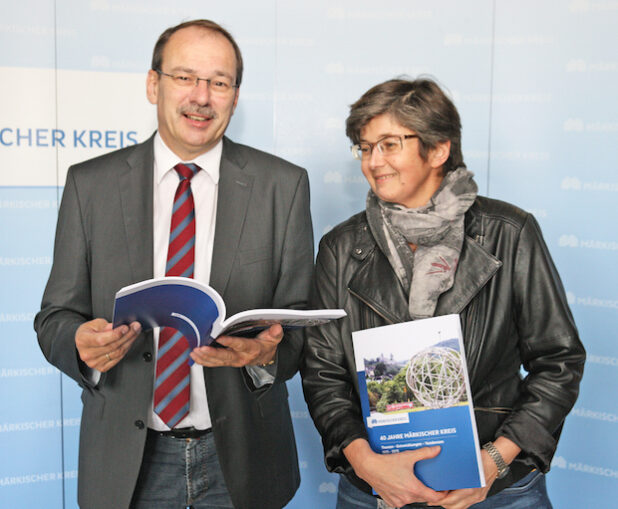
(239, 352)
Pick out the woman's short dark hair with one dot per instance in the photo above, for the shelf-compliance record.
(206, 24)
(419, 105)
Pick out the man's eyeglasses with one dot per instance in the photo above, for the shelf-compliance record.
(387, 146)
(221, 85)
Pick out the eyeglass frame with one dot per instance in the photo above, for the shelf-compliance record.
(195, 79)
(356, 147)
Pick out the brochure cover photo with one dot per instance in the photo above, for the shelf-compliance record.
(415, 392)
(198, 311)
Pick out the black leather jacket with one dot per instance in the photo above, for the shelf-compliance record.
(513, 313)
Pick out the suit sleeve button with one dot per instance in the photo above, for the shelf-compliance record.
(147, 356)
(139, 424)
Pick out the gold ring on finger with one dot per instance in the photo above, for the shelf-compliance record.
(108, 357)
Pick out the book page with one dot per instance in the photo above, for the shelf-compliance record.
(255, 320)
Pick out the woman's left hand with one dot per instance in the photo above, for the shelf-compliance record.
(464, 498)
(461, 499)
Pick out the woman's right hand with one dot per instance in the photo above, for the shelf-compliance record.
(392, 475)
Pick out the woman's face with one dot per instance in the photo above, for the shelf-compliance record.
(403, 178)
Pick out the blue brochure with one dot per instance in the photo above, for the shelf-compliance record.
(415, 392)
(198, 311)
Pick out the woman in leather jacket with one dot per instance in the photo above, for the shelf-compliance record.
(427, 245)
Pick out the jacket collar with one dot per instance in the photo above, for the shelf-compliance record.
(376, 284)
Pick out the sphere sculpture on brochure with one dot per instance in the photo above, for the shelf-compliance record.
(436, 378)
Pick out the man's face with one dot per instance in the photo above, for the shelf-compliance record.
(193, 119)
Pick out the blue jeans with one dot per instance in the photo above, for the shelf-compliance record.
(177, 473)
(529, 492)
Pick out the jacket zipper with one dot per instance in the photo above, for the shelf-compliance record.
(373, 308)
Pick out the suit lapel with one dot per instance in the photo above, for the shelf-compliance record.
(232, 203)
(136, 193)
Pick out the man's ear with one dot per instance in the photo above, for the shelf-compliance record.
(152, 86)
(440, 153)
(236, 95)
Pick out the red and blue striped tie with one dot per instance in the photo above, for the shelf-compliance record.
(172, 383)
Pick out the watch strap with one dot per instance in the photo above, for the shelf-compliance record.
(495, 455)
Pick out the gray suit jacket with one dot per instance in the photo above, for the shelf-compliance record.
(263, 257)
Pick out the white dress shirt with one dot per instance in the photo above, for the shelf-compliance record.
(204, 188)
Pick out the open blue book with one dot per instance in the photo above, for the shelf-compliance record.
(198, 311)
(415, 392)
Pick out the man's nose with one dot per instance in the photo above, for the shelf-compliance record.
(200, 93)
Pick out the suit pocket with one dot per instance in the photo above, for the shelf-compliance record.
(94, 403)
(274, 401)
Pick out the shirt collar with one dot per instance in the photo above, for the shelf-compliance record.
(165, 160)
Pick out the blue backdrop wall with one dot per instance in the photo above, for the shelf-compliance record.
(535, 83)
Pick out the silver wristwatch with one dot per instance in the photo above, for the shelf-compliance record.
(495, 455)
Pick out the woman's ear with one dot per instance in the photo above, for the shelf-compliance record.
(440, 153)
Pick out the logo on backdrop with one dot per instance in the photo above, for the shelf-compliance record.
(28, 204)
(575, 184)
(22, 261)
(537, 212)
(602, 359)
(299, 414)
(512, 155)
(338, 68)
(32, 371)
(37, 425)
(563, 463)
(570, 240)
(588, 5)
(595, 414)
(591, 301)
(26, 316)
(19, 137)
(378, 14)
(455, 39)
(581, 65)
(39, 477)
(580, 125)
(327, 487)
(335, 177)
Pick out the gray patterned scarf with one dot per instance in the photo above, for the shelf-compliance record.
(437, 229)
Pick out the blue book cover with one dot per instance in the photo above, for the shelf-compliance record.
(198, 311)
(415, 392)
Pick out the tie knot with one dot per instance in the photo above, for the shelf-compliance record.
(186, 171)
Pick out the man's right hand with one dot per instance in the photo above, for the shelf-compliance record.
(392, 475)
(100, 346)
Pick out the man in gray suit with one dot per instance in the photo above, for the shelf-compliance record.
(253, 244)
